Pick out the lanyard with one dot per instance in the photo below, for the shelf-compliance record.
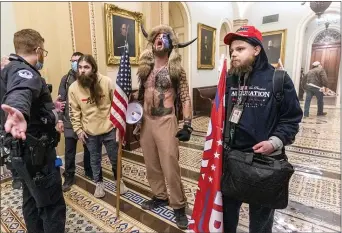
(240, 98)
(240, 103)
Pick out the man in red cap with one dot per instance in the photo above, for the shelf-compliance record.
(255, 121)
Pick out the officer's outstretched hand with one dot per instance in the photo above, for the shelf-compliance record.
(184, 134)
(15, 123)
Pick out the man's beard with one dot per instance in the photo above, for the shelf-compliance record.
(241, 69)
(86, 80)
(160, 53)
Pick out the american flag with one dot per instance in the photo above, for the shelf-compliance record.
(207, 215)
(121, 93)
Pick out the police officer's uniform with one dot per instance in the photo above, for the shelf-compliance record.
(23, 88)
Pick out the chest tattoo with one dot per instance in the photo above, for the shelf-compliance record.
(162, 85)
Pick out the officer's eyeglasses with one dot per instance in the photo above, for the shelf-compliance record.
(45, 52)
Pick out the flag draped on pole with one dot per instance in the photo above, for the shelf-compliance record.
(121, 93)
(207, 215)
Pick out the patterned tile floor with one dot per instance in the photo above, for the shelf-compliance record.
(85, 213)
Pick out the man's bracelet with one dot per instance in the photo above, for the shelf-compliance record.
(187, 122)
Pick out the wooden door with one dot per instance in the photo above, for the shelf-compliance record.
(329, 56)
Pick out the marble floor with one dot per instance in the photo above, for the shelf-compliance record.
(315, 188)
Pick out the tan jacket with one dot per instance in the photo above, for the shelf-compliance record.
(316, 76)
(84, 114)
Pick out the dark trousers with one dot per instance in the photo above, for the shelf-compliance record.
(47, 219)
(94, 144)
(44, 208)
(310, 92)
(260, 218)
(301, 93)
(70, 153)
(15, 175)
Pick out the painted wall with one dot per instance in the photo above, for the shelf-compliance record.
(51, 20)
(215, 14)
(8, 28)
(290, 14)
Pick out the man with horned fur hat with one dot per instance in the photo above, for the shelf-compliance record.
(163, 88)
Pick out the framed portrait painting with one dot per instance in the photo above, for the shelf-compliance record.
(206, 47)
(122, 29)
(274, 45)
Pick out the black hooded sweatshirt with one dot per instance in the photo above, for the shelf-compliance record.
(261, 117)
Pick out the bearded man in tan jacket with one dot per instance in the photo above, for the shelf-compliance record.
(90, 99)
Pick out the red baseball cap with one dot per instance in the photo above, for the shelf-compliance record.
(244, 31)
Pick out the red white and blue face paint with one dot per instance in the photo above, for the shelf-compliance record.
(165, 39)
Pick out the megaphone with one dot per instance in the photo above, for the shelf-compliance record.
(134, 113)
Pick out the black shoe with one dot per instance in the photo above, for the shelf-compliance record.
(16, 184)
(68, 182)
(181, 219)
(322, 114)
(154, 203)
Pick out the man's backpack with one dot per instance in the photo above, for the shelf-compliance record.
(278, 86)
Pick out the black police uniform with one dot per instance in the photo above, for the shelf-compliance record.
(23, 88)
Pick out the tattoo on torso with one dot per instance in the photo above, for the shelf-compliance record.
(161, 93)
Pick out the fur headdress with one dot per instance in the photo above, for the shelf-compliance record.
(146, 60)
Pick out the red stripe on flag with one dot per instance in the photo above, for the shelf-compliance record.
(119, 111)
(120, 98)
(121, 117)
(117, 125)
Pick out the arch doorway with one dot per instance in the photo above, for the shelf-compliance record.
(326, 49)
(179, 21)
(302, 43)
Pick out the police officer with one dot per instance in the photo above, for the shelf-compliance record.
(31, 120)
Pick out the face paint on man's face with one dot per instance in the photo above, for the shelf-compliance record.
(165, 39)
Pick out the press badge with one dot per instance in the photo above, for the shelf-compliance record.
(236, 114)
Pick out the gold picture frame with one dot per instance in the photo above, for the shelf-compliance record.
(118, 20)
(274, 43)
(206, 46)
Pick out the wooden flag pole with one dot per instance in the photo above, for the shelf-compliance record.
(118, 179)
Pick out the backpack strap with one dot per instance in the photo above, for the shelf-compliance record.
(278, 85)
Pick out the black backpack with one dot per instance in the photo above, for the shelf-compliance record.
(278, 86)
